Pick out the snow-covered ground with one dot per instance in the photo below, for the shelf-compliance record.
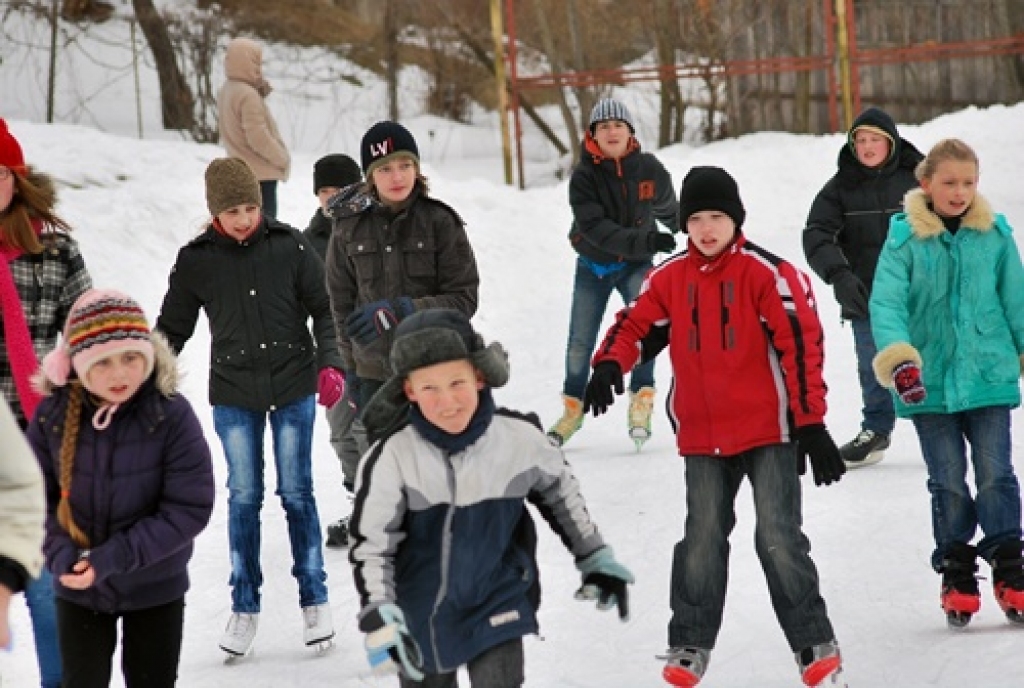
(134, 202)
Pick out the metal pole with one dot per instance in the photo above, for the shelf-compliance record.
(844, 63)
(510, 22)
(135, 72)
(51, 86)
(498, 30)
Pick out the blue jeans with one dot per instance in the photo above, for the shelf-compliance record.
(241, 432)
(39, 599)
(996, 507)
(701, 561)
(879, 411)
(590, 295)
(268, 193)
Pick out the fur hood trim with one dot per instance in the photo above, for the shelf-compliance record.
(925, 224)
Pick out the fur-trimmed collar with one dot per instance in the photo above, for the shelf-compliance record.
(925, 224)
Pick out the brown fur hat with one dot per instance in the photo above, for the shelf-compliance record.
(230, 182)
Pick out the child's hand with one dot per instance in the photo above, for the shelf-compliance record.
(390, 648)
(813, 442)
(598, 394)
(605, 580)
(906, 377)
(82, 576)
(330, 386)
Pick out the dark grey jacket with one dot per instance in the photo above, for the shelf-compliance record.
(258, 296)
(422, 252)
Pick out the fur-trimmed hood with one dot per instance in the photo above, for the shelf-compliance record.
(925, 224)
(166, 373)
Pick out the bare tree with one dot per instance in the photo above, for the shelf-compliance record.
(176, 99)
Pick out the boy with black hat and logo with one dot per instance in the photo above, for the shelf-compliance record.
(331, 174)
(734, 311)
(260, 283)
(443, 548)
(624, 213)
(394, 250)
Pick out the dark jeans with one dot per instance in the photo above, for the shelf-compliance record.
(879, 413)
(150, 645)
(590, 295)
(40, 601)
(700, 568)
(499, 667)
(996, 507)
(268, 191)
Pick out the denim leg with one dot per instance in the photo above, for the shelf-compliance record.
(39, 599)
(589, 300)
(700, 563)
(241, 434)
(783, 548)
(997, 500)
(879, 411)
(954, 515)
(292, 427)
(501, 666)
(628, 286)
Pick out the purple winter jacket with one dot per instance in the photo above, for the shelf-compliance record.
(142, 489)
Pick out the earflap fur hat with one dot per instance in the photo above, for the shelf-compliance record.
(101, 323)
(230, 182)
(11, 155)
(710, 188)
(607, 109)
(335, 170)
(384, 141)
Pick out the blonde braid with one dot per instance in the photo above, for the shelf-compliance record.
(68, 444)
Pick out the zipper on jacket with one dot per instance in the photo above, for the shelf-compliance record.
(727, 298)
(446, 551)
(691, 297)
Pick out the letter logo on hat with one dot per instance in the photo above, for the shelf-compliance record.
(379, 150)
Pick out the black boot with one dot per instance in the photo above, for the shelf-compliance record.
(960, 596)
(1008, 579)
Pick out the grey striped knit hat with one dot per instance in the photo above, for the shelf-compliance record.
(607, 109)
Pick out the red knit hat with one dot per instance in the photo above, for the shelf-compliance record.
(11, 156)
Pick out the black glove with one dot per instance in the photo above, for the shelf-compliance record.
(661, 242)
(598, 394)
(826, 463)
(852, 295)
(353, 387)
(365, 324)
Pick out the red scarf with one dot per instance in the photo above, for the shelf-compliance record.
(16, 335)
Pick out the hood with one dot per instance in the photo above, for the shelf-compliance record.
(243, 61)
(592, 151)
(904, 155)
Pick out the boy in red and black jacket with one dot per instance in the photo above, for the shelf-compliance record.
(748, 401)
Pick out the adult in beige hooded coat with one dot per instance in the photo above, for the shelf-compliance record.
(247, 129)
(22, 510)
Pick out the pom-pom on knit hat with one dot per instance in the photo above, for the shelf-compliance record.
(710, 188)
(101, 323)
(607, 109)
(384, 141)
(11, 156)
(230, 182)
(335, 170)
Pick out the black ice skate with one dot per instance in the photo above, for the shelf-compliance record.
(960, 597)
(1008, 580)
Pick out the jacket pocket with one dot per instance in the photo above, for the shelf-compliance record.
(996, 352)
(420, 257)
(366, 260)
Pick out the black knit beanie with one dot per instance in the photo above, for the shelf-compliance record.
(710, 188)
(383, 141)
(335, 170)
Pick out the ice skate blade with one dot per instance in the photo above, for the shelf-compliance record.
(958, 621)
(1015, 617)
(233, 657)
(322, 647)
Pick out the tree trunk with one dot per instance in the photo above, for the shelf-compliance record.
(176, 99)
(557, 66)
(391, 57)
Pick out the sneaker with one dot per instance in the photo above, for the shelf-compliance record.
(959, 596)
(318, 625)
(685, 666)
(866, 449)
(1008, 580)
(821, 665)
(641, 405)
(240, 633)
(337, 534)
(569, 423)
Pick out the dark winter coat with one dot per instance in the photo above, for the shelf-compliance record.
(746, 315)
(849, 218)
(319, 233)
(258, 295)
(142, 489)
(615, 204)
(421, 252)
(446, 535)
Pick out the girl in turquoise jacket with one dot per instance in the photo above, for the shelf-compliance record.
(947, 313)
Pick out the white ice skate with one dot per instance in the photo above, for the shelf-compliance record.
(239, 635)
(318, 627)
